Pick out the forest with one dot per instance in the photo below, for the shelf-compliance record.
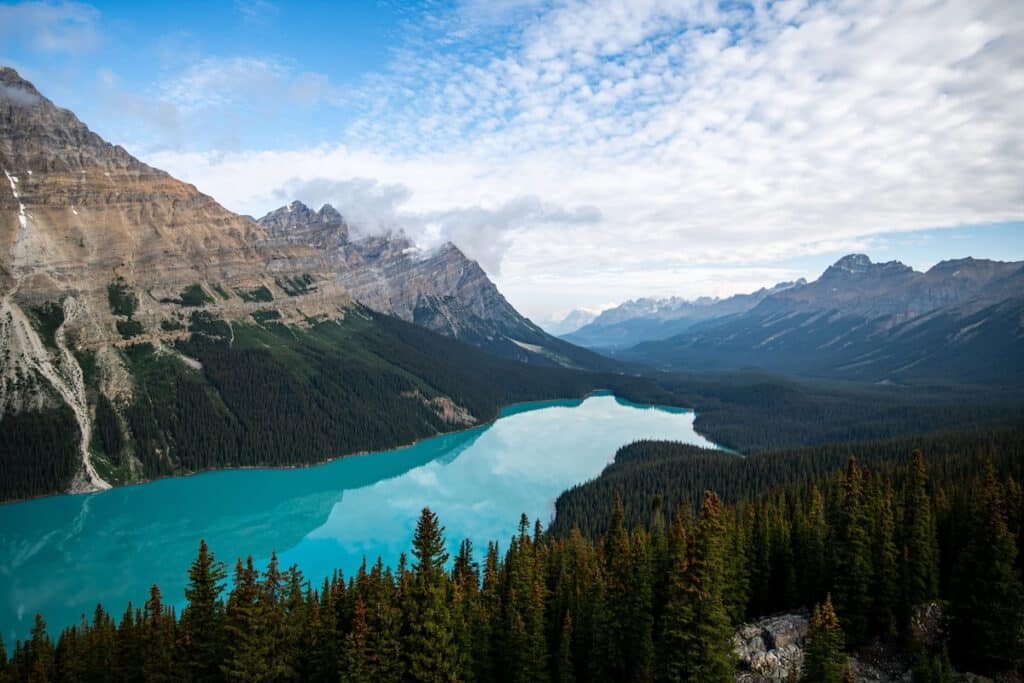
(653, 597)
(271, 394)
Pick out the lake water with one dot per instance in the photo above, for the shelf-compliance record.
(61, 555)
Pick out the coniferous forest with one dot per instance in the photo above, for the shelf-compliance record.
(865, 546)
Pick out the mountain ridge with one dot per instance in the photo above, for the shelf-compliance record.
(960, 321)
(441, 289)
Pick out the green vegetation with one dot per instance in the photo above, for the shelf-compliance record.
(201, 322)
(171, 325)
(221, 291)
(264, 317)
(47, 319)
(129, 328)
(296, 285)
(38, 452)
(194, 295)
(657, 601)
(260, 294)
(121, 298)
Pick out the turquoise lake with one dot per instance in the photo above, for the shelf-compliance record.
(61, 555)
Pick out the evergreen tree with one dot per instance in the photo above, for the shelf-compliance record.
(428, 642)
(158, 638)
(40, 655)
(853, 567)
(357, 655)
(248, 652)
(987, 607)
(824, 660)
(564, 672)
(201, 619)
(697, 635)
(921, 560)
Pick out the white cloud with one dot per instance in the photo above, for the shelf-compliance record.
(484, 233)
(216, 82)
(17, 96)
(704, 137)
(50, 26)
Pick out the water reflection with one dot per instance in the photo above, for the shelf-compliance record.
(61, 555)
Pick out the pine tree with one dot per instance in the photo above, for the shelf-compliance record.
(158, 637)
(564, 672)
(697, 635)
(40, 657)
(357, 655)
(248, 652)
(428, 643)
(201, 619)
(987, 606)
(885, 562)
(824, 660)
(921, 554)
(853, 566)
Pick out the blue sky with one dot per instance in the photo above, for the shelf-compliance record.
(584, 151)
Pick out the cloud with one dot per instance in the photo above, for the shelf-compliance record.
(50, 26)
(256, 11)
(704, 133)
(17, 96)
(484, 233)
(219, 82)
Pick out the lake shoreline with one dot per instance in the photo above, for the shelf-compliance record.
(502, 411)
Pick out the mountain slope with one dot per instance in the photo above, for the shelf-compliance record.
(962, 321)
(641, 320)
(441, 290)
(145, 330)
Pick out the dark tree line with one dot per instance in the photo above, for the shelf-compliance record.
(654, 601)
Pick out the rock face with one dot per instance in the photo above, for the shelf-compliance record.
(98, 250)
(441, 289)
(770, 648)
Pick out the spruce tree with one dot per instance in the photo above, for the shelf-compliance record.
(428, 642)
(987, 606)
(696, 634)
(921, 553)
(248, 652)
(824, 660)
(158, 637)
(853, 566)
(201, 618)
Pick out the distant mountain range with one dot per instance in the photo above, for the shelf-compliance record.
(641, 320)
(572, 321)
(962, 321)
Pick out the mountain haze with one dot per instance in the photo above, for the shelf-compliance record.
(646, 319)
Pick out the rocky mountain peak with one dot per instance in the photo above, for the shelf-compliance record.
(296, 221)
(858, 265)
(39, 136)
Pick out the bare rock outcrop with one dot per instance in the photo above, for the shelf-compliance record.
(768, 649)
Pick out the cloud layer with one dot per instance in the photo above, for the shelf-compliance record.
(702, 134)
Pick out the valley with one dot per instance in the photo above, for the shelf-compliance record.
(324, 445)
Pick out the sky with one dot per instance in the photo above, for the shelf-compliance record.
(585, 152)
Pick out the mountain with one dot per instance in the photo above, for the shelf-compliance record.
(441, 289)
(962, 321)
(146, 331)
(572, 321)
(646, 319)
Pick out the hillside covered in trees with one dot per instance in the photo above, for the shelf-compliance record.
(865, 544)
